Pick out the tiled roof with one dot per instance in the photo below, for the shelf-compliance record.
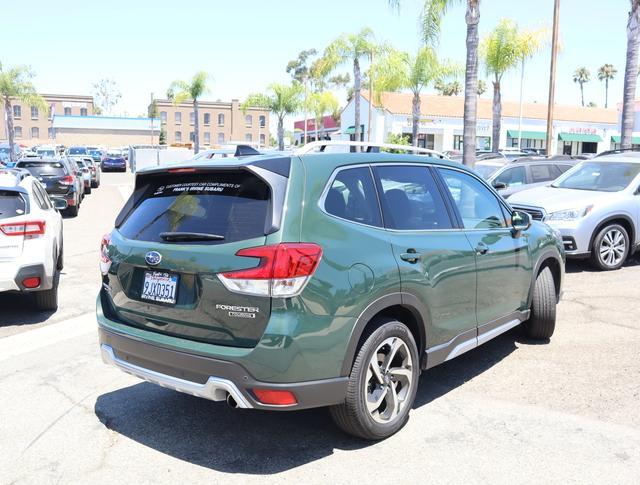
(453, 107)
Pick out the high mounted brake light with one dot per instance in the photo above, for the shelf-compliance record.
(283, 271)
(181, 170)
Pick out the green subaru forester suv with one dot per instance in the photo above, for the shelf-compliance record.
(290, 282)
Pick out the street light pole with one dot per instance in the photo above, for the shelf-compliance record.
(370, 98)
(552, 75)
(520, 116)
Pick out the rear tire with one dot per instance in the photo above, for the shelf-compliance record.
(610, 248)
(378, 402)
(72, 211)
(542, 322)
(87, 190)
(48, 299)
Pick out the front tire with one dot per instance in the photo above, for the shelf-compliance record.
(542, 322)
(610, 248)
(382, 384)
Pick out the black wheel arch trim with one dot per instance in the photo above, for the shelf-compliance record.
(551, 253)
(407, 301)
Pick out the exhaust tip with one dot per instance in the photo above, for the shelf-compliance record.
(231, 402)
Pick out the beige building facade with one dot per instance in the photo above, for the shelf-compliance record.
(33, 126)
(220, 123)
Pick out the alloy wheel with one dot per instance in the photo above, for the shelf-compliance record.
(612, 247)
(389, 379)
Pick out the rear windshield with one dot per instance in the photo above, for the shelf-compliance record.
(44, 168)
(233, 205)
(114, 153)
(77, 151)
(46, 153)
(12, 204)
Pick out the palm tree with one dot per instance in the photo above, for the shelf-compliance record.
(181, 91)
(281, 100)
(15, 84)
(606, 72)
(630, 74)
(400, 70)
(581, 76)
(431, 21)
(351, 48)
(482, 87)
(321, 104)
(502, 50)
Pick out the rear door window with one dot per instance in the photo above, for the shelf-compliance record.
(352, 196)
(232, 205)
(561, 168)
(12, 204)
(410, 199)
(513, 177)
(542, 173)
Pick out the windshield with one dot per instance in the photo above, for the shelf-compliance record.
(95, 153)
(77, 151)
(599, 176)
(485, 171)
(46, 153)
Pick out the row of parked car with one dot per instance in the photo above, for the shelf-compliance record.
(34, 192)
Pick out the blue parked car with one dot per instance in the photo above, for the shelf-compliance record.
(113, 161)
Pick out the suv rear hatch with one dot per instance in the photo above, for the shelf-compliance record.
(179, 229)
(52, 174)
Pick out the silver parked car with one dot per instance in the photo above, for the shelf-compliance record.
(527, 173)
(595, 206)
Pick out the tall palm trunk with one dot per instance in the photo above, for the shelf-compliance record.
(196, 128)
(9, 115)
(472, 18)
(356, 93)
(630, 75)
(606, 92)
(582, 92)
(281, 133)
(497, 112)
(416, 118)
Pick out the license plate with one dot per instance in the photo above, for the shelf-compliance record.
(159, 286)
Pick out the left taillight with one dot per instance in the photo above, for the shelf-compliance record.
(105, 261)
(283, 271)
(23, 228)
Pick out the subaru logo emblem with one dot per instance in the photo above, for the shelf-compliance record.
(153, 258)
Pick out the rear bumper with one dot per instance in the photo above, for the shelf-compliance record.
(209, 378)
(13, 275)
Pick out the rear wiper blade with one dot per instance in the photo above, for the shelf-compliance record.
(190, 236)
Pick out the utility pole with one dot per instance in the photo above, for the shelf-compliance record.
(552, 75)
(151, 113)
(304, 142)
(520, 115)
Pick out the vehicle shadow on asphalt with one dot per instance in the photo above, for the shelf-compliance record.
(585, 266)
(19, 309)
(212, 435)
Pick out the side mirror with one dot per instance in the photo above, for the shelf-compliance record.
(499, 185)
(59, 204)
(520, 221)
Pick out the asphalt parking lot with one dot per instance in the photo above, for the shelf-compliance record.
(510, 411)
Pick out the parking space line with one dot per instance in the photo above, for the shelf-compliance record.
(31, 340)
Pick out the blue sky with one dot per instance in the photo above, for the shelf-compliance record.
(246, 44)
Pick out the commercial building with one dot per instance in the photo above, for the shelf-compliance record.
(329, 127)
(32, 126)
(220, 123)
(105, 130)
(576, 129)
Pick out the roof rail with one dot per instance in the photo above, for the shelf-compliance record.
(370, 147)
(19, 173)
(618, 150)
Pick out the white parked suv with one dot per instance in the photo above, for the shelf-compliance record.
(595, 206)
(31, 243)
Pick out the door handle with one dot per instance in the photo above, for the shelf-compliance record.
(482, 248)
(411, 256)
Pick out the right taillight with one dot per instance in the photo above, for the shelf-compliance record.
(283, 271)
(66, 180)
(105, 261)
(25, 228)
